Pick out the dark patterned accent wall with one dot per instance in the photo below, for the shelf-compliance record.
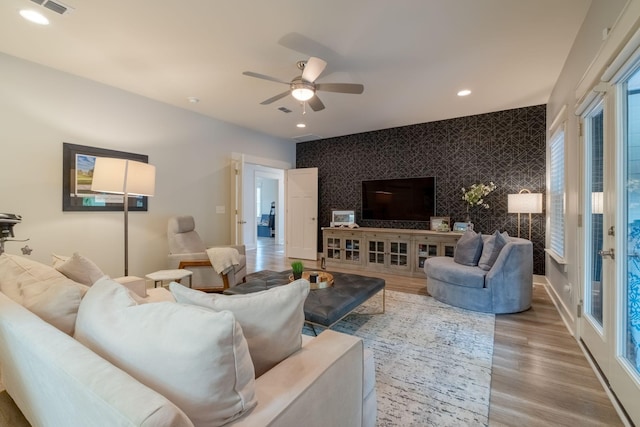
(505, 147)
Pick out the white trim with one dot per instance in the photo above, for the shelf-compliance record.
(560, 119)
(626, 22)
(563, 310)
(557, 258)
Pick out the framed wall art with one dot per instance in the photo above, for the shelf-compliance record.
(439, 223)
(77, 170)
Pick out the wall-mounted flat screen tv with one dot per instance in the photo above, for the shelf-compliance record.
(405, 199)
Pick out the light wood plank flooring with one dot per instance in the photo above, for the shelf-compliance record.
(540, 376)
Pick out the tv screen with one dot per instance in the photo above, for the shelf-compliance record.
(406, 199)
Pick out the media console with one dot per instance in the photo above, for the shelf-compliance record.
(391, 250)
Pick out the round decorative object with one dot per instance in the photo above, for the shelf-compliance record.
(323, 279)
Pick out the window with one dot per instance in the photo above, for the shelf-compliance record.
(556, 191)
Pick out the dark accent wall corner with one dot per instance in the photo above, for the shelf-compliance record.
(505, 147)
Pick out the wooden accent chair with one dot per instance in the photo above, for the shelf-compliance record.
(188, 251)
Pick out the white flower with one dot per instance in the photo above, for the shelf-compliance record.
(475, 195)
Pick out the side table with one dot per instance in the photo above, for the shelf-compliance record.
(164, 275)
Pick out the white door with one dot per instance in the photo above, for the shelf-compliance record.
(302, 213)
(237, 221)
(596, 327)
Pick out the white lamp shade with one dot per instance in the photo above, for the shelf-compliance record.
(597, 203)
(120, 176)
(525, 203)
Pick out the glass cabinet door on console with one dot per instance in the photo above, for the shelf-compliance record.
(334, 250)
(426, 250)
(352, 250)
(376, 252)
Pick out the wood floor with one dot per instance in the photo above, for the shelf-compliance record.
(540, 376)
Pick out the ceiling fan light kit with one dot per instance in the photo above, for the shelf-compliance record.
(303, 88)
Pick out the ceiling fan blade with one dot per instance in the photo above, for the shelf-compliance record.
(275, 98)
(262, 76)
(313, 69)
(341, 87)
(315, 103)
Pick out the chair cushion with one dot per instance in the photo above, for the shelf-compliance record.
(448, 271)
(468, 249)
(271, 320)
(491, 249)
(41, 289)
(197, 358)
(79, 269)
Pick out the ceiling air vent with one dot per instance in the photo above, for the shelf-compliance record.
(284, 109)
(55, 6)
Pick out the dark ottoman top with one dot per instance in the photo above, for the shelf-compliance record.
(323, 306)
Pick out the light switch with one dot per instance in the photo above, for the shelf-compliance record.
(220, 209)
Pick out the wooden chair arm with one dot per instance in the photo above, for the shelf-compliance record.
(205, 263)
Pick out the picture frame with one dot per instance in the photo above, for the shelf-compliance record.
(437, 223)
(461, 227)
(342, 218)
(77, 169)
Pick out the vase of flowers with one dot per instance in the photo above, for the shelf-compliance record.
(474, 196)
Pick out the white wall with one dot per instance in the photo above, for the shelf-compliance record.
(41, 108)
(602, 14)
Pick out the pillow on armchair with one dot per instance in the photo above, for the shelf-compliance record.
(468, 249)
(491, 249)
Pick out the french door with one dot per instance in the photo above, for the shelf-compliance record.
(610, 325)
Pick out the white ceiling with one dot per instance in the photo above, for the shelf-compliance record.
(411, 56)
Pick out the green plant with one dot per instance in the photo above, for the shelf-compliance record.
(297, 267)
(475, 195)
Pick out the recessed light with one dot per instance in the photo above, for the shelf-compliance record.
(301, 125)
(33, 16)
(464, 92)
(193, 99)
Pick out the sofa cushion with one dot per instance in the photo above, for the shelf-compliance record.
(447, 270)
(491, 249)
(80, 269)
(468, 249)
(41, 289)
(195, 357)
(271, 320)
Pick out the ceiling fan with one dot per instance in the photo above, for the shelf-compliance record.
(304, 88)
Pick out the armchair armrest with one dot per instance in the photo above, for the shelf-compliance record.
(511, 277)
(291, 390)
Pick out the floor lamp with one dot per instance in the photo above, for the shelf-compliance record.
(127, 177)
(525, 202)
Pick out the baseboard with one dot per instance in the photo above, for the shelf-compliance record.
(565, 313)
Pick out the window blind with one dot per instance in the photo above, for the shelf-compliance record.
(556, 211)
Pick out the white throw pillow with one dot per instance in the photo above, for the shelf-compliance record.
(271, 320)
(41, 289)
(79, 269)
(196, 358)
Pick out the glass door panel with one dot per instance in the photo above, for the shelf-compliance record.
(631, 292)
(594, 139)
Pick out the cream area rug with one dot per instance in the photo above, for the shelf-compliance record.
(433, 361)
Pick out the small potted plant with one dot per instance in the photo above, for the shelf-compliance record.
(297, 267)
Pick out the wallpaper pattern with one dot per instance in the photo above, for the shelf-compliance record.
(506, 147)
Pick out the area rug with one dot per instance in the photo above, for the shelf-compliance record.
(433, 361)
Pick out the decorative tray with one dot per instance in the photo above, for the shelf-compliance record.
(324, 280)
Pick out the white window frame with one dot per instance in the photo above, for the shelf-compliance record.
(556, 208)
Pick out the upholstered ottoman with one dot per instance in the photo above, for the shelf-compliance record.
(327, 306)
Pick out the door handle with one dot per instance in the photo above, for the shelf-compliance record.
(242, 222)
(610, 253)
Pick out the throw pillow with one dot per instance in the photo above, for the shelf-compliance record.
(492, 247)
(195, 357)
(80, 269)
(468, 249)
(42, 290)
(271, 320)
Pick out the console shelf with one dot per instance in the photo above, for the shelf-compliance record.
(391, 250)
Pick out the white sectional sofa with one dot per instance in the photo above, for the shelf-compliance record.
(56, 379)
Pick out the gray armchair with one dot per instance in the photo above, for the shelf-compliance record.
(505, 288)
(188, 251)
